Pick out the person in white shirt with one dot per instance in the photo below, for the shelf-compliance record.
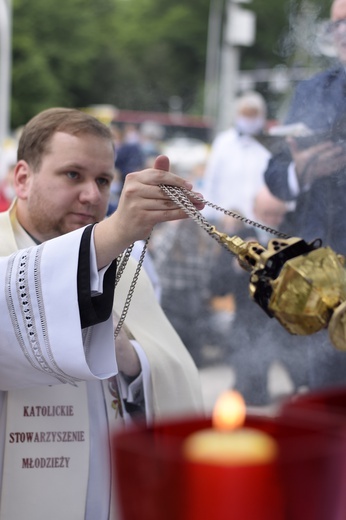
(237, 161)
(55, 436)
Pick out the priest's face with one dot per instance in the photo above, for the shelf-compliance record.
(69, 190)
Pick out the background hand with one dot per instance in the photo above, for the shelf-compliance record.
(317, 161)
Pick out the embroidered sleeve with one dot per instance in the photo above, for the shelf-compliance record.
(27, 312)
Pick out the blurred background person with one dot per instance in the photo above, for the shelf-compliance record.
(151, 138)
(128, 152)
(237, 160)
(182, 256)
(313, 175)
(128, 158)
(311, 169)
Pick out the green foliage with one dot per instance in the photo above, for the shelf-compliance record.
(134, 54)
(271, 22)
(54, 46)
(160, 52)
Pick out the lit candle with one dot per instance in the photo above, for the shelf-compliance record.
(230, 469)
(226, 443)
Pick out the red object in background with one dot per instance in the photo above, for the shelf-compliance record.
(319, 406)
(325, 410)
(4, 202)
(153, 478)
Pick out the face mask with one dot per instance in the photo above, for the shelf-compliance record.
(249, 125)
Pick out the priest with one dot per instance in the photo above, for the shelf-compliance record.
(64, 389)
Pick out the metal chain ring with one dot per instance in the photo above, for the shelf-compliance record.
(122, 261)
(124, 258)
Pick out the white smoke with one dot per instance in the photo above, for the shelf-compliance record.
(308, 34)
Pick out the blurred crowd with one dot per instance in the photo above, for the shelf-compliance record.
(201, 288)
(262, 174)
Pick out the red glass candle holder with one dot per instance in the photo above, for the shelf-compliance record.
(155, 482)
(325, 411)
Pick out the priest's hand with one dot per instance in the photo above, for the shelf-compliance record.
(142, 205)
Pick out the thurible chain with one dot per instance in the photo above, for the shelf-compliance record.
(181, 197)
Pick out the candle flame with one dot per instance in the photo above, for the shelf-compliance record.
(229, 411)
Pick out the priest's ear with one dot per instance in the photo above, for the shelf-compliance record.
(22, 179)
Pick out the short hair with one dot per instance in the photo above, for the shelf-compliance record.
(37, 133)
(252, 99)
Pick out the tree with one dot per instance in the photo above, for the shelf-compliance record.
(134, 54)
(159, 51)
(54, 47)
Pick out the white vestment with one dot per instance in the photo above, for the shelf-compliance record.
(173, 388)
(234, 173)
